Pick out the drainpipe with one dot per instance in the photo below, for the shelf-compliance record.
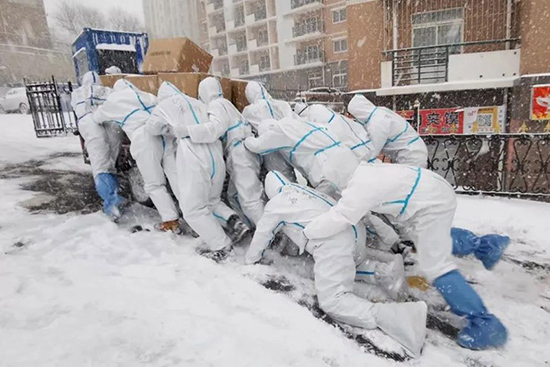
(508, 22)
(394, 24)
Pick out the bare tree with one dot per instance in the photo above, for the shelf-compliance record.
(72, 17)
(120, 20)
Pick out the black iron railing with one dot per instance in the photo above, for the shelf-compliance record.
(499, 164)
(309, 57)
(430, 64)
(300, 30)
(50, 106)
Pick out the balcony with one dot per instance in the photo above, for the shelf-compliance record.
(309, 28)
(309, 57)
(256, 16)
(295, 4)
(450, 63)
(214, 5)
(216, 29)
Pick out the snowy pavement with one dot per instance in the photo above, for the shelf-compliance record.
(78, 290)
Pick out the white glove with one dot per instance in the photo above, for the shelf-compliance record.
(181, 131)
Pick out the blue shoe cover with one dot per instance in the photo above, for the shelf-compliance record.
(490, 250)
(107, 187)
(483, 330)
(464, 242)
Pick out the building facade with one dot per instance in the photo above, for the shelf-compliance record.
(290, 45)
(172, 18)
(26, 46)
(451, 54)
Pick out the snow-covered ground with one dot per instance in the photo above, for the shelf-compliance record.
(78, 290)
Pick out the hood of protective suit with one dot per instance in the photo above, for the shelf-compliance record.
(301, 109)
(210, 89)
(167, 90)
(113, 70)
(360, 107)
(255, 91)
(274, 183)
(91, 78)
(320, 114)
(122, 84)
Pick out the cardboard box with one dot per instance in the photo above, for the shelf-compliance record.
(238, 88)
(188, 83)
(174, 55)
(146, 83)
(110, 80)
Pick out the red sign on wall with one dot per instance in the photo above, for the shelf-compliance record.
(540, 103)
(442, 121)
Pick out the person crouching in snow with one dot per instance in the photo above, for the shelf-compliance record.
(130, 108)
(318, 155)
(102, 141)
(348, 131)
(390, 133)
(225, 122)
(339, 260)
(201, 174)
(263, 108)
(422, 203)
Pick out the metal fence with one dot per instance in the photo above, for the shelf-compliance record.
(499, 164)
(50, 107)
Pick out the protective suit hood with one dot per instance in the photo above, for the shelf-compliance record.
(122, 84)
(91, 78)
(320, 114)
(113, 70)
(255, 91)
(167, 90)
(210, 89)
(360, 105)
(301, 109)
(274, 183)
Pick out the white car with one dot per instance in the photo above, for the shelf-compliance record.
(15, 101)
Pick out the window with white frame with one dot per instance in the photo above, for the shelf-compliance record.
(315, 79)
(439, 27)
(340, 75)
(340, 45)
(339, 15)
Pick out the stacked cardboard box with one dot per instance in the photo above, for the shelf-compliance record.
(182, 63)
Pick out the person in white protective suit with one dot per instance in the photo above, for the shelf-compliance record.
(318, 155)
(390, 133)
(130, 108)
(201, 174)
(263, 108)
(227, 123)
(102, 141)
(113, 70)
(422, 204)
(339, 260)
(348, 131)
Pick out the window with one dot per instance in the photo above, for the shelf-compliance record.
(339, 15)
(438, 28)
(340, 45)
(262, 37)
(265, 63)
(340, 75)
(315, 79)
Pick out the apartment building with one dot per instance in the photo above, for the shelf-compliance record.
(290, 45)
(172, 18)
(451, 54)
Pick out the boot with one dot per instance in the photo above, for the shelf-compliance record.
(389, 276)
(237, 229)
(404, 322)
(171, 226)
(484, 330)
(218, 255)
(488, 249)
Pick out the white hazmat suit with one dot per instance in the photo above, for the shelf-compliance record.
(130, 108)
(390, 133)
(348, 131)
(262, 108)
(226, 123)
(290, 209)
(320, 157)
(201, 168)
